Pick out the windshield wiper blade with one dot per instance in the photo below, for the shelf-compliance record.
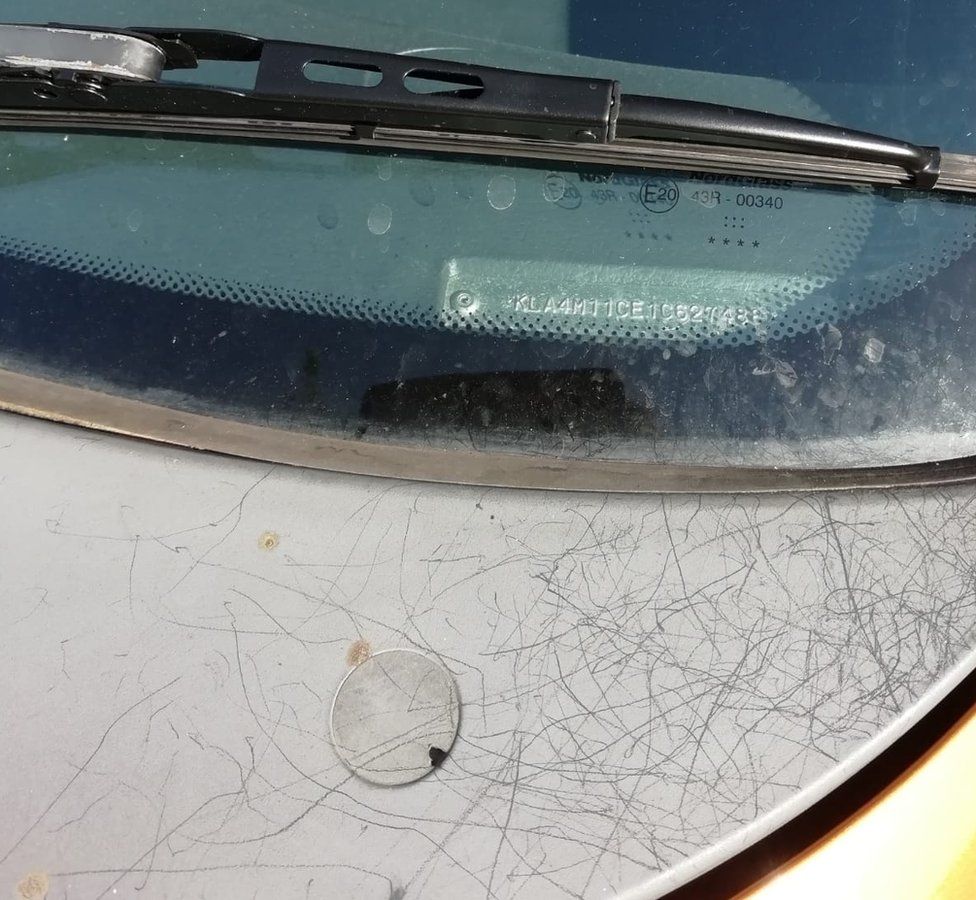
(104, 79)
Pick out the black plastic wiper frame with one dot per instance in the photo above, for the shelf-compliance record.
(111, 80)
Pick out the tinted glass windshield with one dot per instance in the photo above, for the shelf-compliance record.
(504, 305)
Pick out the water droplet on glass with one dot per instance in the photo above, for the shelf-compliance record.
(874, 350)
(832, 339)
(785, 374)
(328, 215)
(501, 192)
(384, 169)
(553, 349)
(462, 187)
(554, 188)
(422, 191)
(380, 219)
(134, 220)
(832, 396)
(781, 370)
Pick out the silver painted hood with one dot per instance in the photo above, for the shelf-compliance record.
(647, 683)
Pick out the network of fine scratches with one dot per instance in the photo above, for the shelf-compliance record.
(641, 677)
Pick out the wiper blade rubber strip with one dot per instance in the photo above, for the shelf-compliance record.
(78, 78)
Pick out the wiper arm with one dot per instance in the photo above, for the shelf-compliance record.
(102, 79)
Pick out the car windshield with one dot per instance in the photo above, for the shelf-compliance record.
(507, 306)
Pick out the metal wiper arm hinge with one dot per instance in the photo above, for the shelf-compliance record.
(483, 99)
(103, 79)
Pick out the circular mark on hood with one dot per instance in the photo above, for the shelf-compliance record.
(395, 717)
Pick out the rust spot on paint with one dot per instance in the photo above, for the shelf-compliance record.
(358, 652)
(33, 886)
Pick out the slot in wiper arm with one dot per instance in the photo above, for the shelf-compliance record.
(79, 78)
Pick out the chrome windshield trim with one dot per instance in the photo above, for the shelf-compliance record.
(45, 399)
